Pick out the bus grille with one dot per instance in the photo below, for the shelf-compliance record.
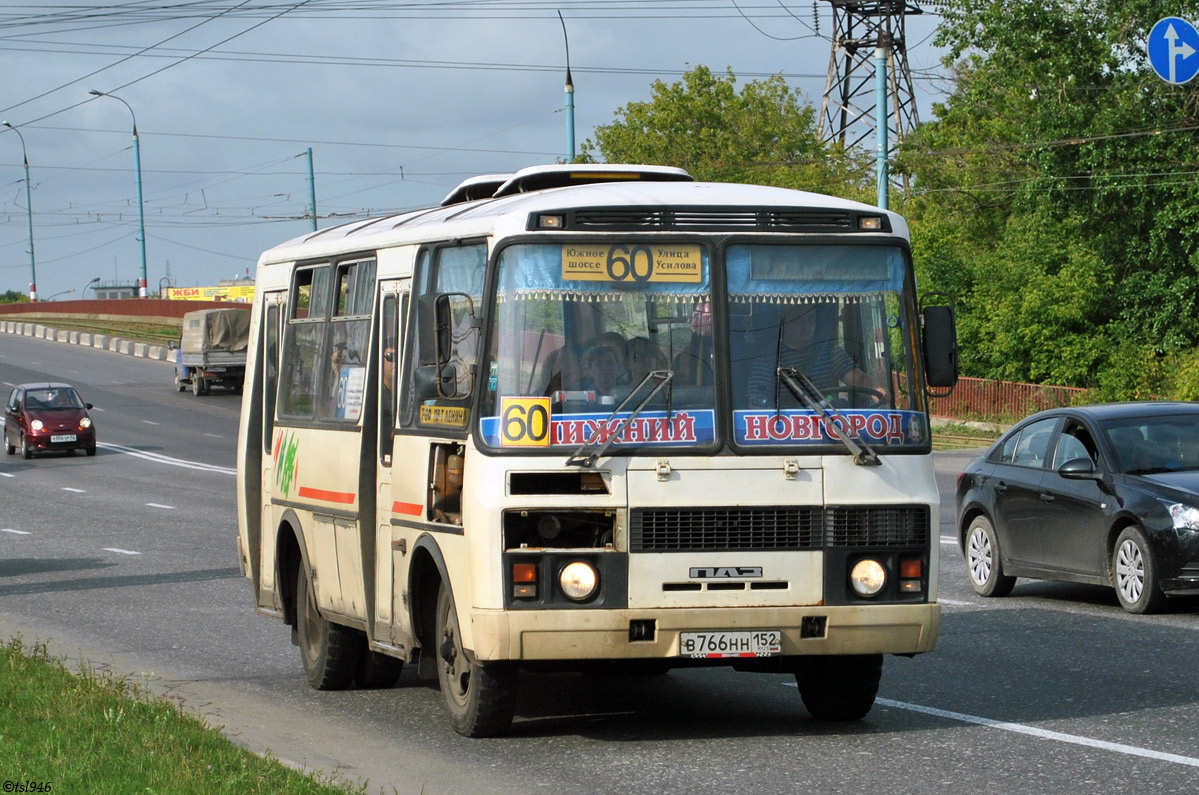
(887, 526)
(782, 528)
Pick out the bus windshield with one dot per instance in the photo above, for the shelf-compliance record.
(821, 324)
(578, 328)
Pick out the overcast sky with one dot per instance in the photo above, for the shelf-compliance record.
(399, 102)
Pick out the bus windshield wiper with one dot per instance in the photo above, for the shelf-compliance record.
(805, 392)
(585, 456)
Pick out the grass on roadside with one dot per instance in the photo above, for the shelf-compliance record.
(98, 734)
(957, 436)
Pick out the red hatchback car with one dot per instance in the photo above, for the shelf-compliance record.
(42, 417)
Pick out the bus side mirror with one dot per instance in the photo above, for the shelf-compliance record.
(940, 347)
(431, 381)
(434, 328)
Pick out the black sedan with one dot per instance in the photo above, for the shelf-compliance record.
(1105, 494)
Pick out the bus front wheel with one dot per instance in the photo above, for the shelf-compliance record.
(330, 652)
(480, 699)
(839, 687)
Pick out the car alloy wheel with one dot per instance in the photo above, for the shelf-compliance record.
(1134, 573)
(980, 557)
(1130, 571)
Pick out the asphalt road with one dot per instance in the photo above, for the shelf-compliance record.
(128, 560)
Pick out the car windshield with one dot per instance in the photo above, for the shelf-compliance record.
(1148, 445)
(52, 398)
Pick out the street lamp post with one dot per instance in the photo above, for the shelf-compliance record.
(29, 209)
(88, 286)
(137, 163)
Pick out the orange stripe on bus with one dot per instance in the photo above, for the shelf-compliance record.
(408, 508)
(343, 497)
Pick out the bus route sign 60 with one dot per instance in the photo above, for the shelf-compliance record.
(525, 422)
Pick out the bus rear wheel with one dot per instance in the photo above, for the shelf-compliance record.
(839, 687)
(330, 652)
(480, 699)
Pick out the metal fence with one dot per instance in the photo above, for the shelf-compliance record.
(998, 401)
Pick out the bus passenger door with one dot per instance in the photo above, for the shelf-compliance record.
(389, 611)
(272, 304)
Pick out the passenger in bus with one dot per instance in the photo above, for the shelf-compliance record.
(602, 370)
(337, 358)
(642, 357)
(565, 367)
(820, 358)
(387, 393)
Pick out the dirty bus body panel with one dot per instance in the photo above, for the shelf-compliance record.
(604, 414)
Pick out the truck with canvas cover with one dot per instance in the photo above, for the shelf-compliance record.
(212, 350)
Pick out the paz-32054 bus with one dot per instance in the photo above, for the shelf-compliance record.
(583, 415)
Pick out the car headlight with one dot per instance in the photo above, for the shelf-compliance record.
(86, 422)
(867, 577)
(36, 425)
(1185, 516)
(579, 580)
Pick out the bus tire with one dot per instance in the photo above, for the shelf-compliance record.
(839, 687)
(377, 671)
(480, 699)
(330, 652)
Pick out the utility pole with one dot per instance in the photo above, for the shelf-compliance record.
(137, 168)
(29, 214)
(570, 99)
(311, 190)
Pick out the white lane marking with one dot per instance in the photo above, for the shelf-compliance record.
(950, 540)
(6, 475)
(1045, 734)
(159, 505)
(76, 491)
(214, 436)
(150, 422)
(162, 459)
(120, 551)
(953, 602)
(15, 532)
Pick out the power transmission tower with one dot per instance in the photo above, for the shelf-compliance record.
(849, 110)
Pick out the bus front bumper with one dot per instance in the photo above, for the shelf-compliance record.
(608, 634)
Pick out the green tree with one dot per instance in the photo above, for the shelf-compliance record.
(764, 134)
(13, 297)
(1055, 194)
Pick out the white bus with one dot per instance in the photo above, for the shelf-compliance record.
(582, 416)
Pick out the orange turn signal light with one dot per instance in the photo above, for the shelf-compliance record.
(524, 572)
(910, 569)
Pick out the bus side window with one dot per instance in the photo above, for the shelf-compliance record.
(302, 341)
(344, 386)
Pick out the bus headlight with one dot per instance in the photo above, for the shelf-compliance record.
(579, 580)
(867, 577)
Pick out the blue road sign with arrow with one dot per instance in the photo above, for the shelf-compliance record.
(1174, 50)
